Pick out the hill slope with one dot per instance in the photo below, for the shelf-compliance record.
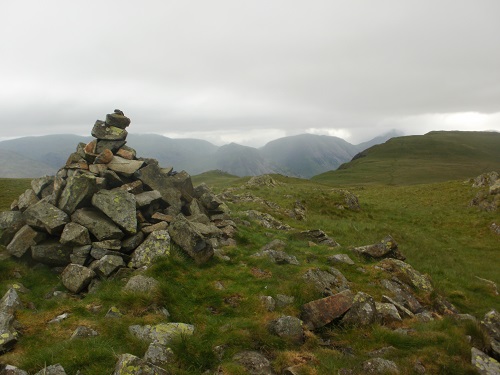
(433, 157)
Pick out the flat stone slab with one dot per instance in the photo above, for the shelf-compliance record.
(119, 206)
(156, 244)
(124, 166)
(45, 216)
(102, 227)
(319, 313)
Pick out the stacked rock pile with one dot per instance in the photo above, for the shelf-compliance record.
(107, 209)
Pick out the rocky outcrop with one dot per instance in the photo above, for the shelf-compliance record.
(107, 209)
(387, 248)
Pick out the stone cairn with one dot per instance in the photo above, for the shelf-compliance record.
(107, 209)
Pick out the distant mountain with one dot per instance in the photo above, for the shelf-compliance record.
(380, 139)
(14, 165)
(302, 156)
(433, 157)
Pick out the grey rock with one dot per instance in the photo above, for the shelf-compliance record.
(363, 311)
(56, 369)
(10, 223)
(484, 364)
(340, 259)
(119, 206)
(142, 284)
(97, 223)
(77, 192)
(387, 313)
(10, 302)
(52, 252)
(210, 201)
(153, 177)
(107, 265)
(131, 243)
(403, 311)
(26, 199)
(23, 240)
(287, 327)
(406, 273)
(254, 362)
(186, 235)
(129, 364)
(157, 244)
(491, 322)
(76, 278)
(328, 282)
(107, 245)
(380, 366)
(75, 234)
(45, 216)
(109, 133)
(278, 257)
(319, 237)
(319, 313)
(159, 355)
(387, 248)
(111, 177)
(114, 146)
(83, 332)
(80, 254)
(124, 167)
(146, 198)
(11, 370)
(118, 120)
(268, 302)
(113, 313)
(162, 333)
(39, 184)
(402, 295)
(182, 182)
(265, 220)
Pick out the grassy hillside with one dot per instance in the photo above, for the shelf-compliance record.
(433, 157)
(433, 224)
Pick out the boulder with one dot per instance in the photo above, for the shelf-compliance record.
(118, 120)
(45, 216)
(107, 265)
(403, 311)
(407, 274)
(146, 198)
(186, 235)
(287, 327)
(80, 254)
(141, 284)
(159, 355)
(102, 227)
(319, 313)
(319, 237)
(76, 278)
(52, 253)
(484, 364)
(75, 234)
(11, 370)
(104, 157)
(10, 223)
(162, 333)
(328, 282)
(380, 366)
(129, 364)
(387, 248)
(26, 199)
(123, 166)
(40, 184)
(254, 362)
(131, 243)
(113, 146)
(362, 312)
(387, 313)
(182, 182)
(119, 206)
(403, 295)
(156, 244)
(109, 133)
(77, 192)
(23, 240)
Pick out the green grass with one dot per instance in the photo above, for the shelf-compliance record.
(435, 228)
(433, 157)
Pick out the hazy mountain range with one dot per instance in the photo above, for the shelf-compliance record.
(302, 155)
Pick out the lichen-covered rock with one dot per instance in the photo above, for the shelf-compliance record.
(182, 182)
(119, 206)
(75, 234)
(76, 277)
(362, 312)
(403, 311)
(484, 364)
(141, 284)
(10, 223)
(153, 177)
(402, 295)
(52, 253)
(156, 244)
(387, 313)
(83, 332)
(26, 199)
(319, 313)
(287, 327)
(319, 237)
(340, 259)
(102, 227)
(77, 192)
(110, 133)
(387, 248)
(254, 362)
(328, 282)
(407, 274)
(107, 265)
(162, 333)
(129, 364)
(159, 355)
(23, 240)
(146, 198)
(186, 235)
(118, 120)
(45, 216)
(11, 370)
(265, 220)
(380, 366)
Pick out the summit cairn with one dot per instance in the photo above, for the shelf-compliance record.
(107, 209)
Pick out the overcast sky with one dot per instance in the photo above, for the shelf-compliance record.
(250, 71)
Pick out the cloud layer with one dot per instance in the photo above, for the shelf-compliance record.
(249, 72)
